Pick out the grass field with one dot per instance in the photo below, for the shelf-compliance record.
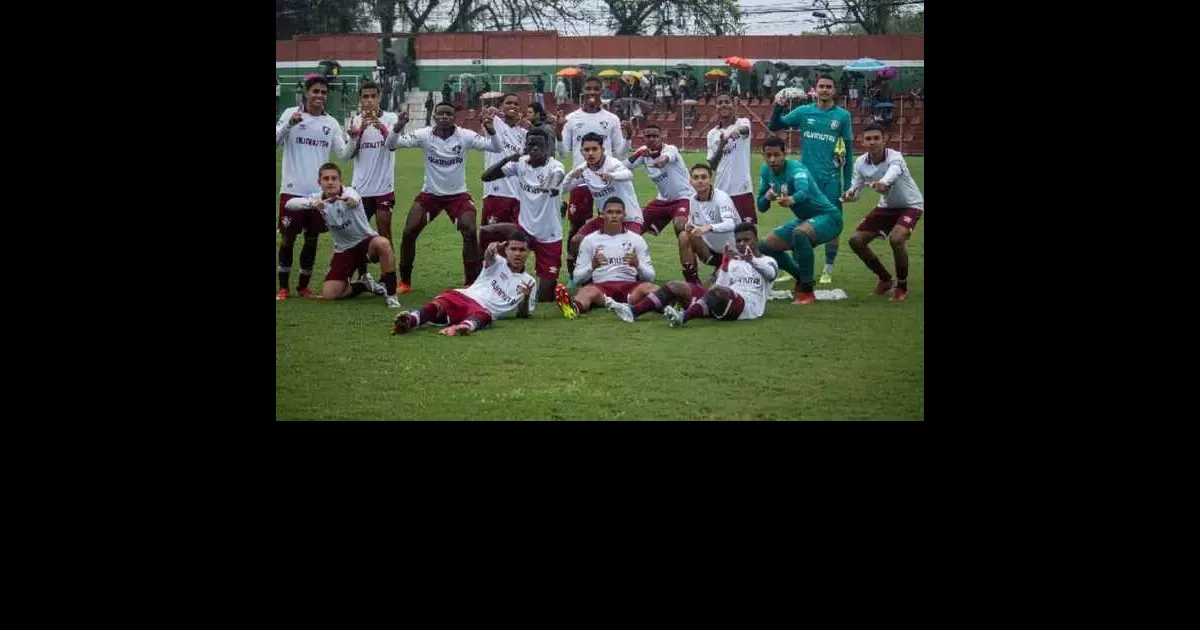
(856, 359)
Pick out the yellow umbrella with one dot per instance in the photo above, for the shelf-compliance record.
(608, 74)
(716, 72)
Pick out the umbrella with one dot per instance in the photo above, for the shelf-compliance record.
(690, 101)
(738, 62)
(631, 73)
(569, 72)
(715, 73)
(488, 95)
(887, 73)
(791, 93)
(883, 105)
(672, 73)
(782, 66)
(683, 66)
(823, 68)
(644, 72)
(608, 74)
(866, 64)
(585, 66)
(762, 67)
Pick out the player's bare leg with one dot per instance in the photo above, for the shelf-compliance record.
(338, 290)
(413, 224)
(687, 258)
(898, 238)
(647, 297)
(308, 258)
(383, 225)
(470, 248)
(587, 297)
(861, 244)
(714, 304)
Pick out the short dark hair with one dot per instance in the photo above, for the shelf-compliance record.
(874, 127)
(825, 76)
(592, 136)
(537, 132)
(652, 125)
(518, 235)
(444, 103)
(745, 226)
(775, 141)
(329, 166)
(368, 85)
(594, 78)
(616, 200)
(315, 79)
(721, 93)
(508, 94)
(702, 165)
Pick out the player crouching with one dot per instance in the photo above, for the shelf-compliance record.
(354, 242)
(501, 290)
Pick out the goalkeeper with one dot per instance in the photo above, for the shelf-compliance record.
(825, 149)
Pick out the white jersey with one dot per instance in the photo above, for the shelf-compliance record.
(752, 281)
(513, 141)
(614, 247)
(539, 207)
(719, 212)
(580, 123)
(306, 146)
(445, 159)
(498, 289)
(672, 180)
(374, 165)
(348, 226)
(620, 186)
(733, 173)
(893, 171)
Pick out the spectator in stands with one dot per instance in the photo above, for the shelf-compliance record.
(487, 86)
(560, 91)
(403, 83)
(915, 94)
(781, 80)
(446, 91)
(692, 85)
(429, 108)
(539, 92)
(768, 79)
(660, 96)
(853, 88)
(753, 84)
(535, 114)
(734, 86)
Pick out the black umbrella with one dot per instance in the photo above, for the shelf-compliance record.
(761, 67)
(824, 68)
(672, 73)
(782, 66)
(585, 66)
(683, 66)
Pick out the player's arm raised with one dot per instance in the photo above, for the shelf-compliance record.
(620, 174)
(765, 266)
(305, 203)
(526, 305)
(490, 142)
(501, 169)
(289, 118)
(400, 139)
(351, 148)
(782, 119)
(491, 255)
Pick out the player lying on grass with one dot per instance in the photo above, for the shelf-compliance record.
(895, 217)
(535, 178)
(354, 242)
(817, 221)
(709, 228)
(617, 262)
(502, 290)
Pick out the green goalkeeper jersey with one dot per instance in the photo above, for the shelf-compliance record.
(796, 182)
(826, 140)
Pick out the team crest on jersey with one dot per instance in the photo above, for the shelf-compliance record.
(833, 124)
(579, 125)
(457, 149)
(492, 219)
(326, 130)
(303, 126)
(811, 121)
(604, 124)
(627, 246)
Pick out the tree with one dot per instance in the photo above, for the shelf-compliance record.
(871, 17)
(319, 16)
(661, 17)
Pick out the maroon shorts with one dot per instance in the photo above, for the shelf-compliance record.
(497, 209)
(744, 204)
(454, 205)
(581, 204)
(596, 223)
(618, 291)
(658, 214)
(882, 220)
(379, 203)
(296, 221)
(458, 307)
(735, 305)
(344, 263)
(549, 257)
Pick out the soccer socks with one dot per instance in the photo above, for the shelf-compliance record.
(831, 249)
(786, 262)
(285, 265)
(802, 249)
(580, 307)
(697, 310)
(357, 288)
(389, 282)
(653, 302)
(305, 276)
(471, 262)
(901, 254)
(308, 257)
(427, 313)
(691, 274)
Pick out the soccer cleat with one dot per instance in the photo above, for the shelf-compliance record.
(622, 311)
(460, 329)
(282, 295)
(375, 287)
(403, 323)
(673, 316)
(393, 301)
(305, 292)
(403, 287)
(826, 278)
(899, 295)
(804, 297)
(562, 297)
(883, 287)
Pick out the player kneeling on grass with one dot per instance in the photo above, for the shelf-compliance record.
(712, 217)
(354, 242)
(501, 290)
(900, 207)
(791, 185)
(616, 260)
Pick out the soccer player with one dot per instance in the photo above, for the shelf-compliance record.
(502, 290)
(617, 262)
(500, 201)
(711, 220)
(374, 167)
(445, 187)
(729, 156)
(900, 207)
(602, 175)
(588, 119)
(307, 133)
(536, 177)
(742, 286)
(817, 220)
(826, 143)
(354, 242)
(665, 166)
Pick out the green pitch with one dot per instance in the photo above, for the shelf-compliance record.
(856, 359)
